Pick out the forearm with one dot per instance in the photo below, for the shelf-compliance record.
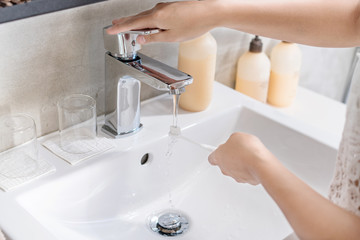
(311, 22)
(311, 215)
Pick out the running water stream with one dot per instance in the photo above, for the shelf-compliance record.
(173, 138)
(172, 222)
(176, 99)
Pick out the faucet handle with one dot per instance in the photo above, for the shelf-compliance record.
(124, 45)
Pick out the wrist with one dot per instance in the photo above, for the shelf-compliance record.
(264, 165)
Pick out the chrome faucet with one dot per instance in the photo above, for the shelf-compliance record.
(124, 69)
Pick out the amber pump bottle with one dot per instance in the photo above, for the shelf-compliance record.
(197, 57)
(285, 69)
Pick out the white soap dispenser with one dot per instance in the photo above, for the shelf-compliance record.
(253, 72)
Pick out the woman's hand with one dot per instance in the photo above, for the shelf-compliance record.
(240, 157)
(177, 21)
(244, 158)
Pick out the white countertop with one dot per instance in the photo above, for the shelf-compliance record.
(313, 115)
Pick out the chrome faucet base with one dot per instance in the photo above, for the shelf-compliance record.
(109, 131)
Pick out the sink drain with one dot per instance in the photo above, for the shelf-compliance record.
(169, 224)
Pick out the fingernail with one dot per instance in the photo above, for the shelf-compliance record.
(141, 39)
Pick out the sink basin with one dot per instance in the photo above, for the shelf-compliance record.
(114, 195)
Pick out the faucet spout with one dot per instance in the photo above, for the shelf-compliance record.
(159, 75)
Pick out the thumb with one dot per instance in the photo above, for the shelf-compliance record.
(212, 159)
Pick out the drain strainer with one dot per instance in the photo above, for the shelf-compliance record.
(169, 224)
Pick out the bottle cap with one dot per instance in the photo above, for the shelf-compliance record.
(255, 45)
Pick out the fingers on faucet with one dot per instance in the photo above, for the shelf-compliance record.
(129, 23)
(122, 19)
(162, 36)
(143, 39)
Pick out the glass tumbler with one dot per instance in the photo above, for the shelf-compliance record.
(18, 146)
(77, 123)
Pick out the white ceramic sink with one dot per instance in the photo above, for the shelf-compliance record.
(112, 196)
(97, 202)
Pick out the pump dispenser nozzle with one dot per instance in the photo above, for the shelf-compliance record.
(255, 45)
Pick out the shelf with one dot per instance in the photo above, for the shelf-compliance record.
(38, 7)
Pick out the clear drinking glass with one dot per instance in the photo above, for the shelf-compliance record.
(77, 123)
(18, 146)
